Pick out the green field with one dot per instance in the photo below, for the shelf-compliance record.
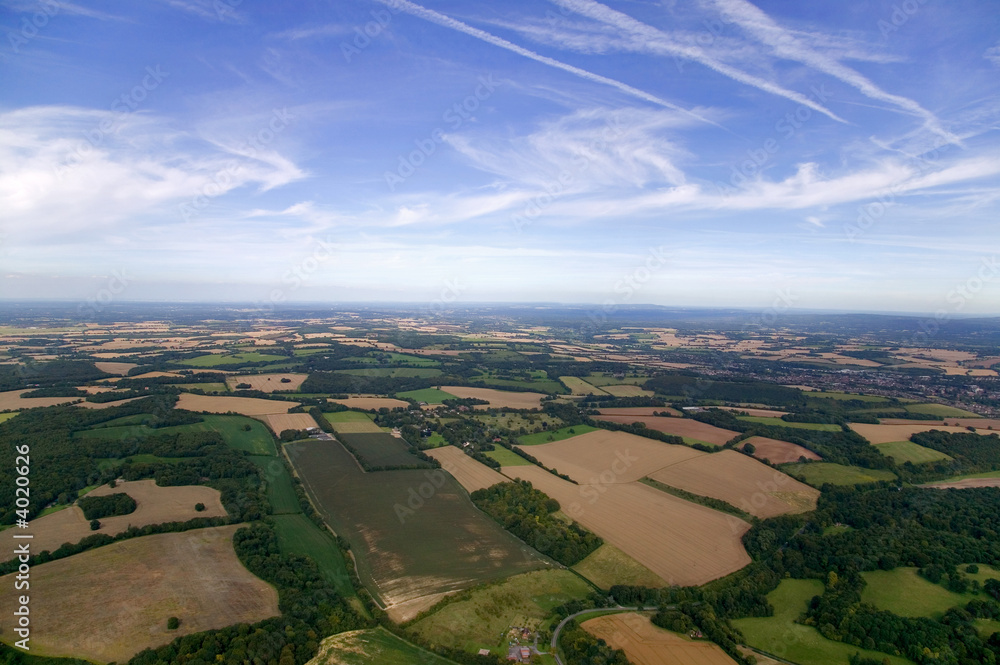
(348, 417)
(847, 396)
(940, 410)
(309, 352)
(381, 449)
(600, 380)
(396, 359)
(429, 395)
(280, 490)
(902, 591)
(376, 646)
(256, 441)
(394, 372)
(435, 440)
(216, 359)
(297, 534)
(555, 435)
(506, 457)
(987, 474)
(418, 521)
(818, 473)
(781, 636)
(907, 451)
(207, 387)
(481, 618)
(4, 417)
(778, 422)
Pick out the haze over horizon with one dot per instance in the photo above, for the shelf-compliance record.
(842, 156)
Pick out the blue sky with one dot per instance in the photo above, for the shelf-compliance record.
(833, 154)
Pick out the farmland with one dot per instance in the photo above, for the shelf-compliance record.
(375, 646)
(470, 474)
(298, 535)
(379, 449)
(498, 398)
(352, 422)
(627, 390)
(578, 386)
(640, 411)
(12, 400)
(778, 452)
(409, 547)
(368, 403)
(279, 422)
(782, 636)
(394, 372)
(506, 457)
(890, 433)
(740, 481)
(155, 505)
(907, 451)
(681, 542)
(778, 422)
(902, 591)
(608, 565)
(692, 431)
(247, 406)
(129, 589)
(819, 473)
(428, 395)
(482, 616)
(555, 435)
(646, 644)
(4, 417)
(942, 410)
(219, 359)
(267, 383)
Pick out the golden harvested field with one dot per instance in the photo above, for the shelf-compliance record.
(684, 427)
(639, 411)
(610, 457)
(646, 644)
(742, 482)
(978, 423)
(778, 452)
(764, 413)
(109, 603)
(279, 422)
(106, 405)
(247, 406)
(497, 398)
(626, 390)
(469, 473)
(267, 383)
(368, 403)
(115, 368)
(681, 542)
(578, 386)
(11, 400)
(965, 483)
(964, 371)
(889, 433)
(155, 505)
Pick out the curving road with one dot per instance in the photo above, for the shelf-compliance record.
(555, 633)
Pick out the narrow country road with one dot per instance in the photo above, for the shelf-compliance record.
(555, 634)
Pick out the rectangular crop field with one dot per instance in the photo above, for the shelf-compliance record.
(368, 403)
(415, 534)
(847, 396)
(640, 411)
(379, 449)
(247, 406)
(778, 422)
(498, 398)
(608, 565)
(646, 644)
(818, 473)
(352, 422)
(681, 542)
(107, 605)
(217, 359)
(555, 435)
(889, 433)
(942, 410)
(267, 383)
(470, 474)
(628, 390)
(279, 422)
(506, 457)
(692, 431)
(280, 490)
(740, 481)
(778, 452)
(428, 395)
(578, 386)
(907, 451)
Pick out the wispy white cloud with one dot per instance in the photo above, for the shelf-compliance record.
(309, 32)
(993, 55)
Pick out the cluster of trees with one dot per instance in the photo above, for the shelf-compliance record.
(96, 507)
(700, 388)
(527, 513)
(582, 647)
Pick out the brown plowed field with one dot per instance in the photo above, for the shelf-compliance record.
(469, 473)
(778, 452)
(646, 644)
(497, 398)
(267, 383)
(247, 406)
(368, 403)
(742, 482)
(685, 427)
(682, 542)
(889, 433)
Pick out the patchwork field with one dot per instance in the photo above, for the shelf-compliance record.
(498, 398)
(154, 505)
(415, 534)
(267, 383)
(352, 422)
(818, 473)
(742, 482)
(279, 422)
(376, 646)
(470, 474)
(247, 406)
(608, 565)
(368, 403)
(890, 433)
(778, 452)
(480, 621)
(681, 542)
(907, 451)
(578, 386)
(646, 644)
(130, 588)
(692, 431)
(639, 411)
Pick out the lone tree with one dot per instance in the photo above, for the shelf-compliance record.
(95, 525)
(749, 448)
(199, 507)
(173, 623)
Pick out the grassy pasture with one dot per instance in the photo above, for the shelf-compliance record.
(907, 451)
(256, 441)
(578, 386)
(764, 420)
(847, 396)
(217, 359)
(297, 534)
(601, 380)
(376, 646)
(4, 417)
(429, 395)
(396, 358)
(506, 457)
(555, 435)
(381, 449)
(207, 387)
(411, 539)
(781, 636)
(394, 372)
(280, 490)
(940, 410)
(481, 618)
(818, 473)
(608, 565)
(902, 591)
